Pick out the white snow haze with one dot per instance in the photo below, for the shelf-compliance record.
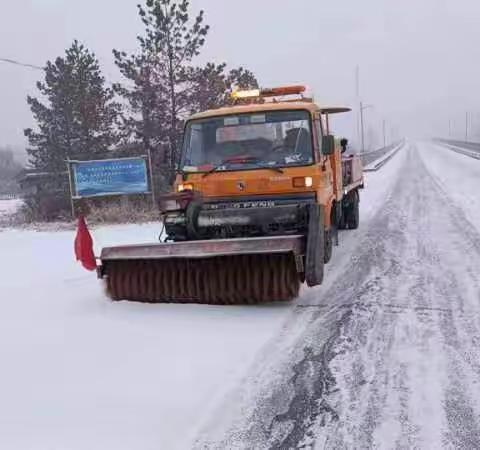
(416, 59)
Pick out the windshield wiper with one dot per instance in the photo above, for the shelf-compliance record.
(244, 160)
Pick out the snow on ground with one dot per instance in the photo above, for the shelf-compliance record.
(81, 372)
(378, 186)
(266, 370)
(458, 175)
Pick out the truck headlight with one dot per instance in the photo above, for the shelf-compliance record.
(185, 187)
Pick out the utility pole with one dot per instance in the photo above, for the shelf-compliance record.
(362, 127)
(384, 135)
(449, 128)
(357, 100)
(466, 126)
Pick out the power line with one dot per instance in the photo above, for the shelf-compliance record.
(18, 63)
(33, 66)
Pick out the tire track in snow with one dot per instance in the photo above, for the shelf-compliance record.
(390, 357)
(268, 422)
(460, 331)
(441, 277)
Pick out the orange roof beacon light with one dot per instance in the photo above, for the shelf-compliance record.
(269, 92)
(284, 90)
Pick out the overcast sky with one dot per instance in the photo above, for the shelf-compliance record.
(418, 59)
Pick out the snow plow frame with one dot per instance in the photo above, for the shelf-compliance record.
(207, 249)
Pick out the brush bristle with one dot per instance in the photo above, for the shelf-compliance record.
(238, 279)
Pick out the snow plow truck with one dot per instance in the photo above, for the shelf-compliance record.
(261, 190)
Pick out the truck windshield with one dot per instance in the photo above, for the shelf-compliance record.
(248, 141)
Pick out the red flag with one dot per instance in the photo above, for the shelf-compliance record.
(84, 246)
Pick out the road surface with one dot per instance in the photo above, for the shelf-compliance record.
(387, 353)
(384, 355)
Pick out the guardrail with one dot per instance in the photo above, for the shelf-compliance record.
(470, 149)
(374, 155)
(475, 146)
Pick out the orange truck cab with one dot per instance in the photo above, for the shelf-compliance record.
(259, 168)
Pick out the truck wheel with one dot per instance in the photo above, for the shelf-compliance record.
(328, 246)
(315, 252)
(341, 215)
(354, 212)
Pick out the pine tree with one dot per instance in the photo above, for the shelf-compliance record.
(212, 85)
(78, 118)
(164, 85)
(158, 94)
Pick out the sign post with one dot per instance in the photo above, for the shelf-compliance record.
(72, 204)
(152, 186)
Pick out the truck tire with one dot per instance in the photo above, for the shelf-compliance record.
(330, 234)
(315, 252)
(328, 246)
(341, 215)
(191, 215)
(354, 212)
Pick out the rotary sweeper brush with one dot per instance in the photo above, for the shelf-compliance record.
(266, 273)
(260, 193)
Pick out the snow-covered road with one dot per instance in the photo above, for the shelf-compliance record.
(385, 354)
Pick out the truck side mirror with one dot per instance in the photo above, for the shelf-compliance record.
(328, 144)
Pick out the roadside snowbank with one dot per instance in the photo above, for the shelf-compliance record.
(378, 163)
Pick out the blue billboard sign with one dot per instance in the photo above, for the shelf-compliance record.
(110, 177)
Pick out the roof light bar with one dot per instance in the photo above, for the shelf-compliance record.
(283, 90)
(253, 93)
(271, 92)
